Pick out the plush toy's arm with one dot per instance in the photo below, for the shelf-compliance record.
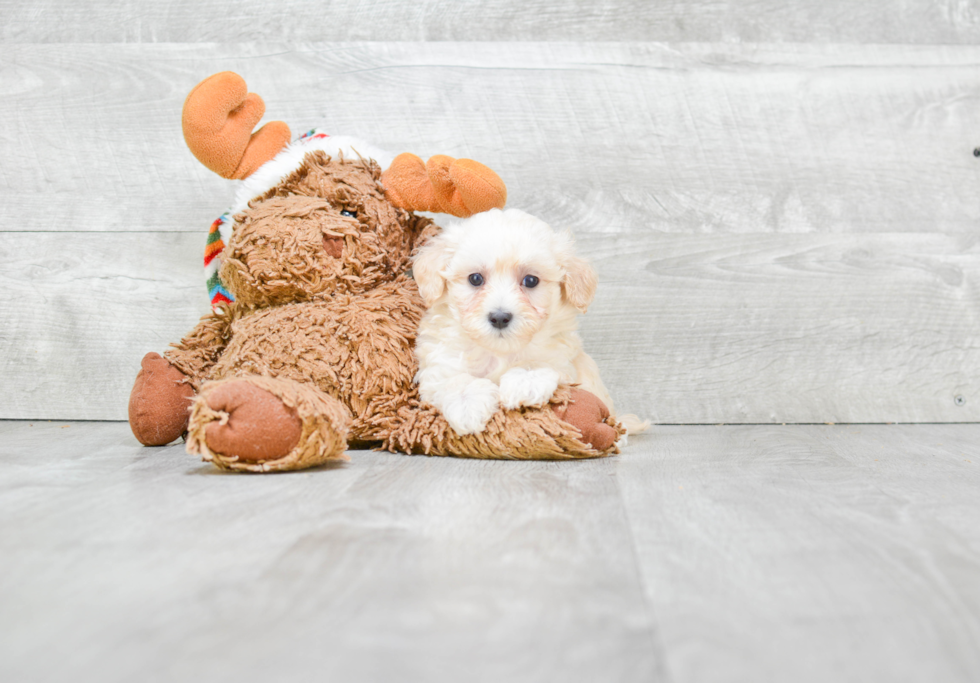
(573, 425)
(160, 401)
(199, 350)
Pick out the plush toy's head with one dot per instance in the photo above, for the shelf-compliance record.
(327, 228)
(310, 222)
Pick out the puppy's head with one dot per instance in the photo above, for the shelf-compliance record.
(505, 277)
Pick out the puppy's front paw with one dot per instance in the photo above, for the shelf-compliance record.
(469, 410)
(520, 387)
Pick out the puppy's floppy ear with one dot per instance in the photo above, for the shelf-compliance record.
(428, 266)
(579, 283)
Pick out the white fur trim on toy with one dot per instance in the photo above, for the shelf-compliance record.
(272, 172)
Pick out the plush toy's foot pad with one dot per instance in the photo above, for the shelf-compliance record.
(588, 414)
(258, 425)
(159, 405)
(261, 424)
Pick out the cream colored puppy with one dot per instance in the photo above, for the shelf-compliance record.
(503, 291)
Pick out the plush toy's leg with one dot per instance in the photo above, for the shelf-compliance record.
(264, 424)
(520, 434)
(159, 405)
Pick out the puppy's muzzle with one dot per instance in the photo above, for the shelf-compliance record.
(500, 319)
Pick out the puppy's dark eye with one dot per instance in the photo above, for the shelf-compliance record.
(530, 281)
(475, 279)
(349, 214)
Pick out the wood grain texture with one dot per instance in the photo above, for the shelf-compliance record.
(810, 553)
(139, 563)
(784, 232)
(831, 21)
(628, 137)
(701, 554)
(788, 328)
(685, 328)
(80, 310)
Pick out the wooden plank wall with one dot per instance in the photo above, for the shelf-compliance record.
(783, 204)
(930, 22)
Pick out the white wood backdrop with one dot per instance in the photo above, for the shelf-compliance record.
(823, 21)
(785, 230)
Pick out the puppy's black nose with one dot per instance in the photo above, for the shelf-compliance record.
(500, 319)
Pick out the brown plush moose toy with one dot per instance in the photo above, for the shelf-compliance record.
(314, 353)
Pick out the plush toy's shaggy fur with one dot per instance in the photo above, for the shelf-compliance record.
(316, 352)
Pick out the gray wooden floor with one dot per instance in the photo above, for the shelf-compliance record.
(703, 553)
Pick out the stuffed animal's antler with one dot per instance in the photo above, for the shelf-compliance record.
(461, 187)
(219, 115)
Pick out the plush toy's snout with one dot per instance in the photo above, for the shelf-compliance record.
(285, 249)
(333, 246)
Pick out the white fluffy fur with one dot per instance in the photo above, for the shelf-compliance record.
(467, 367)
(269, 174)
